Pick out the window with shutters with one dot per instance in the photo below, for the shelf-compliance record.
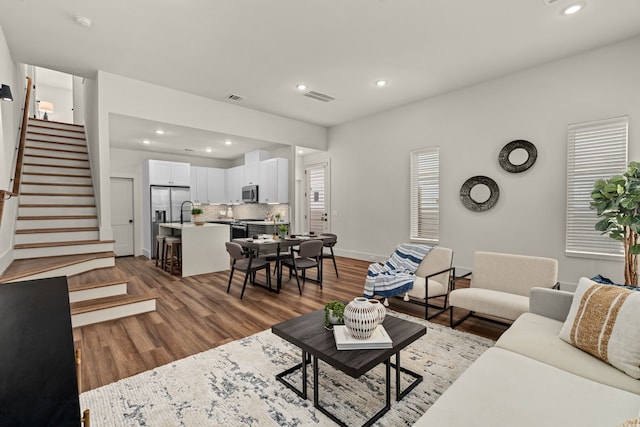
(596, 150)
(425, 195)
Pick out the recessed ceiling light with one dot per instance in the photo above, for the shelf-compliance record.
(300, 151)
(159, 131)
(381, 83)
(208, 150)
(227, 142)
(573, 9)
(301, 87)
(146, 141)
(83, 21)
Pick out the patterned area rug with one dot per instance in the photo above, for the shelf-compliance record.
(235, 385)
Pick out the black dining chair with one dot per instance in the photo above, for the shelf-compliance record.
(309, 254)
(329, 240)
(249, 265)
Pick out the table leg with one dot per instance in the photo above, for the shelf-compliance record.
(418, 379)
(281, 376)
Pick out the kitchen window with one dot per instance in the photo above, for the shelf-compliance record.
(595, 150)
(425, 195)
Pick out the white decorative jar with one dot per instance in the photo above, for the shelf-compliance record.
(361, 318)
(382, 311)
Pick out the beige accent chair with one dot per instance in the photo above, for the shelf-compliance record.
(501, 283)
(433, 279)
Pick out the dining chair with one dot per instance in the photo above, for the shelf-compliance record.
(329, 240)
(249, 265)
(309, 254)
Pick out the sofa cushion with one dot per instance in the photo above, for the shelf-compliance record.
(418, 290)
(506, 389)
(496, 303)
(603, 321)
(537, 337)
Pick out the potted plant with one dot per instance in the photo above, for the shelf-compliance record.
(283, 228)
(617, 201)
(196, 212)
(333, 313)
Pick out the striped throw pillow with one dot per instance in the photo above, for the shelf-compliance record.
(604, 321)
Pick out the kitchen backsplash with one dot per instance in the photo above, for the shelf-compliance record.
(245, 211)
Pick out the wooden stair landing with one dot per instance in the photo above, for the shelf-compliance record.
(22, 268)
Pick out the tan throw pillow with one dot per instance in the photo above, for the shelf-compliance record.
(604, 321)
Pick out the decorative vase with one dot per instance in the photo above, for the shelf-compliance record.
(361, 318)
(382, 311)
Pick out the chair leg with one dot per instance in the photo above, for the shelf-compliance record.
(230, 277)
(333, 258)
(244, 285)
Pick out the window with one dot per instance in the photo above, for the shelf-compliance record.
(596, 150)
(425, 195)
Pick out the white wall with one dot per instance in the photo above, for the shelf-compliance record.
(370, 159)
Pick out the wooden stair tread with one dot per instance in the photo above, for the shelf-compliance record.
(26, 267)
(69, 175)
(34, 119)
(59, 150)
(53, 205)
(56, 136)
(107, 302)
(53, 217)
(97, 277)
(75, 144)
(57, 194)
(42, 156)
(67, 243)
(57, 184)
(44, 165)
(55, 230)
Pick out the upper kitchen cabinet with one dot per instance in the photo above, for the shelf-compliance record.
(235, 181)
(168, 173)
(274, 181)
(216, 185)
(252, 162)
(199, 185)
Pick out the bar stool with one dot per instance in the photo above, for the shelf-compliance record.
(159, 246)
(173, 254)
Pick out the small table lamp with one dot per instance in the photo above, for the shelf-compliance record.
(46, 107)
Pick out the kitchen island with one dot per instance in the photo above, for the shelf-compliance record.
(203, 249)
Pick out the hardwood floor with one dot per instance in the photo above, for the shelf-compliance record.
(195, 314)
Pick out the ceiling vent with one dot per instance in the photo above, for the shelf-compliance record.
(189, 149)
(550, 2)
(234, 97)
(319, 96)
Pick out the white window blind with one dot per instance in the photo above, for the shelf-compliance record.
(596, 150)
(425, 195)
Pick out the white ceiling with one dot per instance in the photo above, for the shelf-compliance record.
(260, 49)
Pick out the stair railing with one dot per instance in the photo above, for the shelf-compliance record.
(17, 164)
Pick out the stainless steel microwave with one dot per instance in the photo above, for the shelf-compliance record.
(250, 194)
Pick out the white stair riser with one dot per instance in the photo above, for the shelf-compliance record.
(56, 237)
(54, 179)
(55, 169)
(29, 151)
(98, 316)
(41, 133)
(32, 224)
(62, 250)
(71, 145)
(70, 270)
(101, 292)
(55, 189)
(55, 162)
(56, 211)
(58, 200)
(41, 124)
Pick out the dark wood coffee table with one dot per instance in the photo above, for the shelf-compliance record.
(308, 333)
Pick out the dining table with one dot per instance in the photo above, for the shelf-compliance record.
(267, 244)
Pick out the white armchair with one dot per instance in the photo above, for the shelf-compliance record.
(501, 283)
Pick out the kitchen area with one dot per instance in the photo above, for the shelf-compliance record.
(241, 201)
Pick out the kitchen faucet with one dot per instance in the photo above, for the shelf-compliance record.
(182, 209)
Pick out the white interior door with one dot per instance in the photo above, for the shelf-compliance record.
(317, 197)
(122, 215)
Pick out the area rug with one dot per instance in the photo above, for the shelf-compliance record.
(235, 385)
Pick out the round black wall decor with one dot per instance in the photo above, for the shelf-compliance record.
(467, 200)
(503, 157)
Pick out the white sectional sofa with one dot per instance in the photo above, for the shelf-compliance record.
(533, 378)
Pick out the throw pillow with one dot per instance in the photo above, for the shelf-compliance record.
(634, 422)
(604, 321)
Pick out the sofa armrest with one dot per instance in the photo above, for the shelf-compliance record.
(551, 303)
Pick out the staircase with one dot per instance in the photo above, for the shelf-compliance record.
(57, 227)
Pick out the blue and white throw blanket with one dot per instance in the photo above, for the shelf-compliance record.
(396, 276)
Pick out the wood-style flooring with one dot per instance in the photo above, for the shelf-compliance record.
(195, 314)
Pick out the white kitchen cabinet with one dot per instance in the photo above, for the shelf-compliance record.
(252, 174)
(235, 181)
(216, 185)
(199, 184)
(274, 181)
(162, 172)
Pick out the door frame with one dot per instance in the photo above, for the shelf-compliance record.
(327, 192)
(137, 213)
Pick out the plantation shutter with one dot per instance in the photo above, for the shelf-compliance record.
(425, 195)
(596, 150)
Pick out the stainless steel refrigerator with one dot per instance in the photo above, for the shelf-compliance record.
(166, 203)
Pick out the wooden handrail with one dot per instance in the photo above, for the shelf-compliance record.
(23, 137)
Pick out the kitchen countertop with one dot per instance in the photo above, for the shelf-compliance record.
(178, 226)
(265, 223)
